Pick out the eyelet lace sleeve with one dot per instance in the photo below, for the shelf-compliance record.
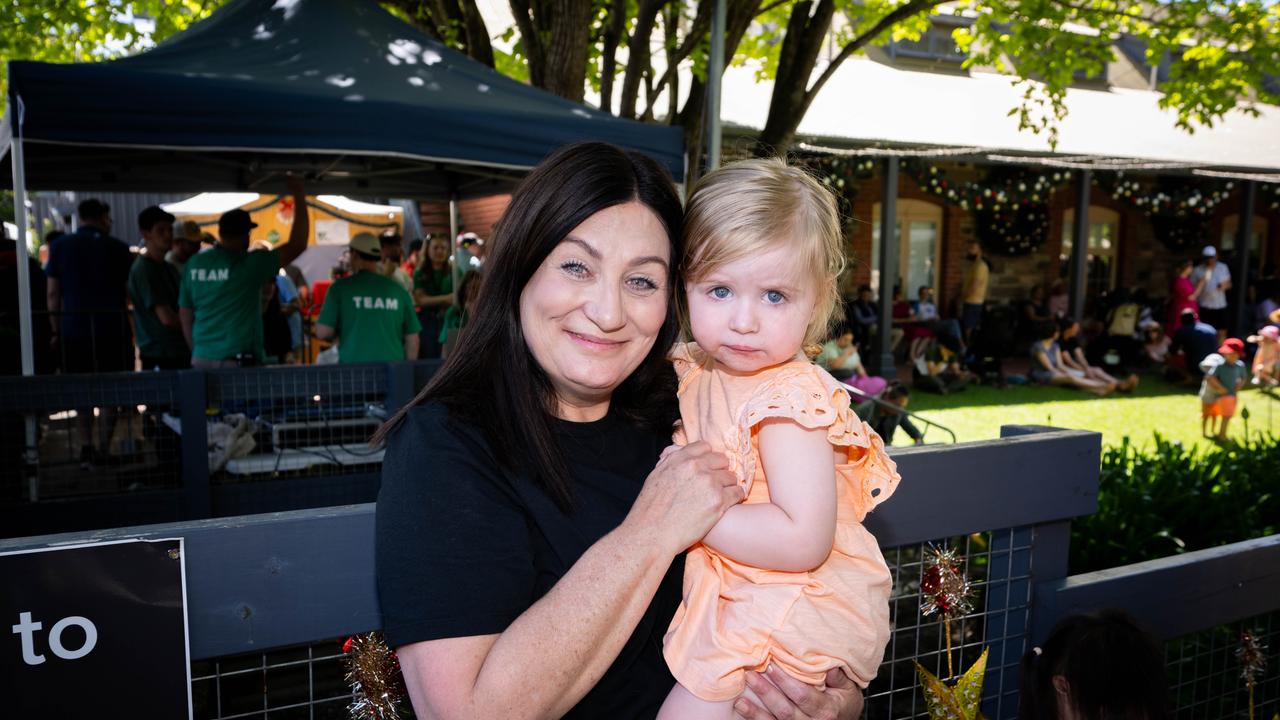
(813, 399)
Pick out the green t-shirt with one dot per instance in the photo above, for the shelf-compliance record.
(1229, 374)
(153, 283)
(224, 289)
(432, 281)
(371, 314)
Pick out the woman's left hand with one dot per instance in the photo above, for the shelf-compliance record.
(786, 698)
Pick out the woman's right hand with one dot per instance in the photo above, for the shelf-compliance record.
(684, 496)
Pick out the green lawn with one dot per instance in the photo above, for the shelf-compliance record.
(978, 412)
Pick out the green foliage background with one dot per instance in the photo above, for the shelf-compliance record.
(1168, 498)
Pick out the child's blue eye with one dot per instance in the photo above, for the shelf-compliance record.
(773, 297)
(720, 292)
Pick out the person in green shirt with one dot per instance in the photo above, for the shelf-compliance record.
(370, 314)
(433, 293)
(220, 299)
(153, 292)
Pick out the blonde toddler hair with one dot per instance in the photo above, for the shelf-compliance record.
(754, 206)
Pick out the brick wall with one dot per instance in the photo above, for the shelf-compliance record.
(476, 215)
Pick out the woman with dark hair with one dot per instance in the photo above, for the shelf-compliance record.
(529, 552)
(1095, 667)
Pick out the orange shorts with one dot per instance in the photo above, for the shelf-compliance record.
(1224, 406)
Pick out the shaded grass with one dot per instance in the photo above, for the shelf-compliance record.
(1157, 406)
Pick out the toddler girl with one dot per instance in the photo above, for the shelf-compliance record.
(790, 577)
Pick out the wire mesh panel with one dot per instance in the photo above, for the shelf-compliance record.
(1206, 673)
(998, 566)
(73, 435)
(300, 683)
(294, 422)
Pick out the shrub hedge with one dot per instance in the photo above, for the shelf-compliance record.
(1168, 499)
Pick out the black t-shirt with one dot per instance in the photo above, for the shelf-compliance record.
(464, 546)
(1069, 346)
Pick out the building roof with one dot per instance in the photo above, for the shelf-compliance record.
(868, 103)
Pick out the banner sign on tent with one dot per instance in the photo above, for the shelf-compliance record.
(332, 232)
(98, 628)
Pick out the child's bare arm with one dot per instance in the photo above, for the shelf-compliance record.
(1216, 384)
(794, 531)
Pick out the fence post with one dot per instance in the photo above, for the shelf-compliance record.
(192, 404)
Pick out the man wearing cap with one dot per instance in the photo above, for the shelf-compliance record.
(1193, 341)
(185, 244)
(219, 302)
(370, 314)
(153, 290)
(1213, 298)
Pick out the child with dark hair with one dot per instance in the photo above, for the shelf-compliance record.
(1095, 667)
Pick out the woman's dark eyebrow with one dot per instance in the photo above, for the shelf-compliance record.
(595, 254)
(651, 259)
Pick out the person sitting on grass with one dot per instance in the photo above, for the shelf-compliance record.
(1047, 366)
(1073, 357)
(887, 416)
(1266, 362)
(840, 357)
(938, 369)
(1224, 375)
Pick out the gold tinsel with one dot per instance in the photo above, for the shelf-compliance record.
(377, 687)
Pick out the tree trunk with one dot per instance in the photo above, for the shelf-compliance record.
(638, 55)
(609, 51)
(805, 31)
(792, 94)
(567, 24)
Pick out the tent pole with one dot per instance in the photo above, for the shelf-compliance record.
(453, 245)
(21, 253)
(715, 75)
(24, 269)
(1240, 273)
(1080, 246)
(889, 250)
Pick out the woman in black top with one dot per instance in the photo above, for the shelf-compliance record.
(528, 550)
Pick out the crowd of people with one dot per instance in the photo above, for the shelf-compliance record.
(1185, 338)
(183, 297)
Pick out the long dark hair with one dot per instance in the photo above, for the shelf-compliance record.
(1114, 670)
(491, 378)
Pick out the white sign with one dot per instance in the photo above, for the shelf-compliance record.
(332, 232)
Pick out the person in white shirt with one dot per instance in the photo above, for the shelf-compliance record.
(1213, 298)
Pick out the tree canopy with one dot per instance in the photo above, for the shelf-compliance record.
(639, 55)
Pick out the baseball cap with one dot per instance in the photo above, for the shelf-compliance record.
(366, 244)
(235, 222)
(1234, 345)
(1209, 251)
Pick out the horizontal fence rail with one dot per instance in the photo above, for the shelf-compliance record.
(279, 579)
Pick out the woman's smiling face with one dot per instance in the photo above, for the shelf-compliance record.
(594, 307)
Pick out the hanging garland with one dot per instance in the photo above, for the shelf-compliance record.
(1269, 195)
(1178, 208)
(841, 173)
(1010, 205)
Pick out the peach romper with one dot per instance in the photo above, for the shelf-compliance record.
(736, 617)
